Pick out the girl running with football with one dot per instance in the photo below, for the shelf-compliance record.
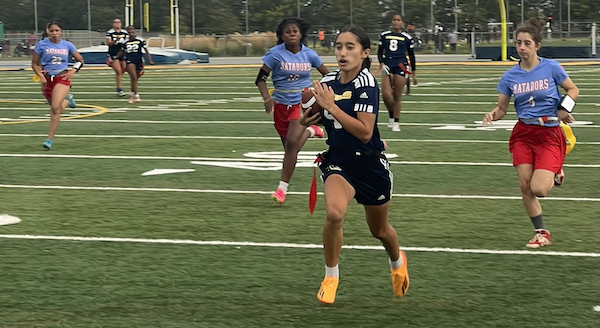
(50, 62)
(354, 166)
(537, 142)
(291, 62)
(394, 47)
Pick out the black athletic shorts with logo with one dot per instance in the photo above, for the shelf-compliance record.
(368, 173)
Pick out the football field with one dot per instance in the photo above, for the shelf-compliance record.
(105, 241)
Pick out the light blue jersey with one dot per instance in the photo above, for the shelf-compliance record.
(536, 92)
(291, 72)
(54, 57)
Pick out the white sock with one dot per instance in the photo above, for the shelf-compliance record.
(391, 120)
(137, 94)
(332, 272)
(396, 264)
(283, 186)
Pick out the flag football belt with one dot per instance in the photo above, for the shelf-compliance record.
(541, 120)
(52, 76)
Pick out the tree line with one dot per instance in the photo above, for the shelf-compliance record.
(229, 16)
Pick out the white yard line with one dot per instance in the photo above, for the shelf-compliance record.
(245, 159)
(293, 245)
(259, 192)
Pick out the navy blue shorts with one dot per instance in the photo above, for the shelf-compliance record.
(370, 176)
(139, 65)
(398, 67)
(113, 56)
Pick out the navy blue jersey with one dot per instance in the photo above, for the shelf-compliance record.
(133, 49)
(395, 47)
(359, 95)
(115, 36)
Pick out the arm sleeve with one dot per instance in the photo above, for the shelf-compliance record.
(411, 57)
(380, 49)
(504, 87)
(367, 100)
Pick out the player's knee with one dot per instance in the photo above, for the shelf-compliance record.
(379, 232)
(56, 110)
(525, 186)
(291, 145)
(539, 191)
(335, 216)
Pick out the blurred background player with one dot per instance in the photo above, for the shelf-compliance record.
(537, 142)
(291, 62)
(50, 62)
(354, 166)
(115, 37)
(132, 48)
(394, 46)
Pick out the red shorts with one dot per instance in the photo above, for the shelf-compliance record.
(51, 83)
(544, 147)
(282, 115)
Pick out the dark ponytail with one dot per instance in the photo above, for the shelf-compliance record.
(363, 39)
(534, 27)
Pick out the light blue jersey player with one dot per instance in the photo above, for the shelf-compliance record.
(54, 57)
(535, 92)
(291, 72)
(291, 62)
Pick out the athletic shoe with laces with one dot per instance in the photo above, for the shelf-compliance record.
(400, 280)
(71, 101)
(559, 178)
(318, 131)
(47, 144)
(130, 100)
(542, 238)
(390, 123)
(326, 294)
(278, 196)
(396, 127)
(137, 98)
(121, 93)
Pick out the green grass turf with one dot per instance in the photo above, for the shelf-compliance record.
(100, 284)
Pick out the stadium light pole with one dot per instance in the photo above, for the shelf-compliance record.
(432, 18)
(246, 16)
(522, 11)
(194, 25)
(141, 18)
(89, 8)
(569, 19)
(402, 9)
(36, 16)
(351, 17)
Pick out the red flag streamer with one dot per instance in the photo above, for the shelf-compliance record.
(312, 194)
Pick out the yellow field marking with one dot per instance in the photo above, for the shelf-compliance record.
(101, 110)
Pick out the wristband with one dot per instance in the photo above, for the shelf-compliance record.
(77, 66)
(567, 104)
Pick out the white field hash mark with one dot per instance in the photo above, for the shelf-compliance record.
(295, 245)
(259, 192)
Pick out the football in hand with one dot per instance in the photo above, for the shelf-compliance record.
(309, 101)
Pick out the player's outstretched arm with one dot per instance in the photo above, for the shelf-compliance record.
(498, 112)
